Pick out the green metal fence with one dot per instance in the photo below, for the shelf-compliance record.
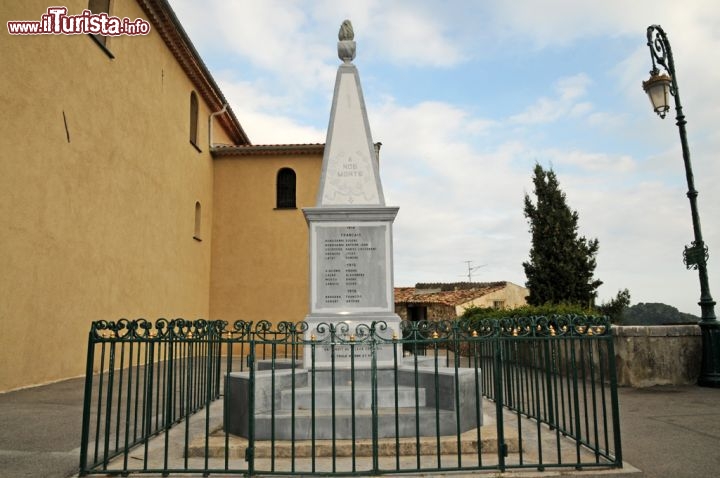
(534, 392)
(141, 380)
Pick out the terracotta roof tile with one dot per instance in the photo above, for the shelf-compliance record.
(268, 149)
(434, 295)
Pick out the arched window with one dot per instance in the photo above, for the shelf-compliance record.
(285, 188)
(198, 222)
(194, 119)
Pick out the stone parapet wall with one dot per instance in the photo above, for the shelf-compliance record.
(657, 355)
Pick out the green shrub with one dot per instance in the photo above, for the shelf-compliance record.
(476, 313)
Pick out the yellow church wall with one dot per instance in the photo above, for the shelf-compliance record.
(260, 267)
(97, 217)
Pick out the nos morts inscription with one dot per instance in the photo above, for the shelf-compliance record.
(351, 267)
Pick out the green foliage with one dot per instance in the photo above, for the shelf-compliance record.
(562, 264)
(655, 314)
(546, 310)
(615, 307)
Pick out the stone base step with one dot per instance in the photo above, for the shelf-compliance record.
(358, 423)
(451, 403)
(484, 439)
(359, 397)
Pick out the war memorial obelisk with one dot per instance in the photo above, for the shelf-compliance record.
(351, 375)
(351, 265)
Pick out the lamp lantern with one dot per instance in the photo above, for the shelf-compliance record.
(657, 88)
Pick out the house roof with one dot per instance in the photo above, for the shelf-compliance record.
(173, 34)
(444, 293)
(268, 149)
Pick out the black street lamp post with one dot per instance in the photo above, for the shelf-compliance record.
(659, 88)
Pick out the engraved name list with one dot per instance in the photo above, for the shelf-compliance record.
(350, 266)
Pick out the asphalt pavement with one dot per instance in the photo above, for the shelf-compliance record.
(666, 432)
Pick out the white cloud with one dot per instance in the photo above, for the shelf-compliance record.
(596, 163)
(604, 119)
(560, 22)
(544, 110)
(411, 37)
(573, 87)
(272, 36)
(548, 110)
(265, 128)
(259, 115)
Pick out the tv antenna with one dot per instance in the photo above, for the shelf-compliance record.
(472, 268)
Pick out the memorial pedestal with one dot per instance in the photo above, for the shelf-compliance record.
(412, 401)
(351, 289)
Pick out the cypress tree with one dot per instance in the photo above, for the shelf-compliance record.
(561, 264)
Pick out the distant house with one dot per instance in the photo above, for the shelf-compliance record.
(449, 300)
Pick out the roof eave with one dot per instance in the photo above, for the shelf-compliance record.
(268, 150)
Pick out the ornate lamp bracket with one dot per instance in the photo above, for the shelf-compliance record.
(661, 54)
(695, 255)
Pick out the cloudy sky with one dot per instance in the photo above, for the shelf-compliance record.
(466, 96)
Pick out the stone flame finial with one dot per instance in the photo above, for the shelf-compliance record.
(346, 31)
(346, 45)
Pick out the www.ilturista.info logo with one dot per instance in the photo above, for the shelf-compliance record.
(57, 22)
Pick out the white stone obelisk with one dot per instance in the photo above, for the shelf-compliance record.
(351, 259)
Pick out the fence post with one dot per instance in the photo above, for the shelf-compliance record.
(614, 398)
(250, 450)
(210, 382)
(498, 379)
(84, 441)
(374, 399)
(549, 373)
(169, 395)
(577, 431)
(217, 340)
(108, 406)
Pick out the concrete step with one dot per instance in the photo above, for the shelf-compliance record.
(348, 423)
(344, 395)
(484, 439)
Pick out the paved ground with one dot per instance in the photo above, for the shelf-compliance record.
(40, 430)
(666, 431)
(671, 431)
